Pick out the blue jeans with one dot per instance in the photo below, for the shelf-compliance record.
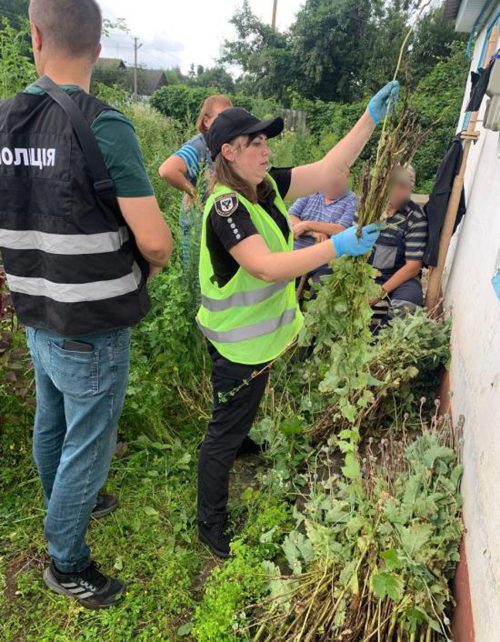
(80, 397)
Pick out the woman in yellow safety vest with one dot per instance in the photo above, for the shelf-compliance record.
(249, 313)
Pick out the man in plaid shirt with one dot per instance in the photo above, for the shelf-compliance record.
(316, 217)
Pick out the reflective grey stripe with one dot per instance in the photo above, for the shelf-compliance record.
(65, 244)
(249, 331)
(76, 292)
(250, 297)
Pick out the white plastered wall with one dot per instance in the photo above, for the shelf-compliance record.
(475, 371)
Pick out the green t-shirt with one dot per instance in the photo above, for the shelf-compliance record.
(119, 146)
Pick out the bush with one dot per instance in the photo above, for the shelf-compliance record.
(184, 103)
(180, 101)
(17, 69)
(439, 96)
(168, 353)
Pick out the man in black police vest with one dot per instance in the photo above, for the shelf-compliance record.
(77, 262)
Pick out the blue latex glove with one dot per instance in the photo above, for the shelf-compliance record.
(383, 101)
(347, 242)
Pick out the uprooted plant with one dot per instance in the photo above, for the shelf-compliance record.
(373, 549)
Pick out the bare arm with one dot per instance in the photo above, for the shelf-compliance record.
(317, 177)
(150, 230)
(410, 270)
(174, 170)
(303, 227)
(256, 258)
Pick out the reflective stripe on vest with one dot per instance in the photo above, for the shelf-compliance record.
(250, 331)
(64, 244)
(249, 320)
(76, 292)
(250, 297)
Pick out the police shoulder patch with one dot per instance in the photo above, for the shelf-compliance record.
(226, 205)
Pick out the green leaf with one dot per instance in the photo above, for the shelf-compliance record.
(385, 584)
(150, 511)
(291, 427)
(351, 469)
(348, 410)
(267, 537)
(184, 630)
(350, 435)
(414, 537)
(391, 559)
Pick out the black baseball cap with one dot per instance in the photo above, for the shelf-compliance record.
(236, 121)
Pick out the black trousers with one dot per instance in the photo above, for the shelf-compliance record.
(234, 409)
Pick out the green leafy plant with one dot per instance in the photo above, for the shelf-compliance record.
(16, 69)
(242, 580)
(373, 550)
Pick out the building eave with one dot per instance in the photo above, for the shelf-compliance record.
(464, 12)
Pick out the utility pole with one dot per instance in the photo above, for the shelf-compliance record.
(275, 12)
(137, 46)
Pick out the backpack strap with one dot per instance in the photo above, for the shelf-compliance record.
(103, 185)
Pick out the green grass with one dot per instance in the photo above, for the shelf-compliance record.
(150, 542)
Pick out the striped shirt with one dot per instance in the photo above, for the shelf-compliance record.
(416, 232)
(195, 155)
(313, 208)
(415, 236)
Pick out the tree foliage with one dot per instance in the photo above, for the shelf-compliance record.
(264, 55)
(336, 50)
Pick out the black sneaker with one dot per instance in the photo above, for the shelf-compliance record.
(105, 505)
(90, 587)
(216, 538)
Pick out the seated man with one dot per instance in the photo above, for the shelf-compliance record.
(398, 252)
(316, 217)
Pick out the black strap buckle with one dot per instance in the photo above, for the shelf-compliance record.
(104, 187)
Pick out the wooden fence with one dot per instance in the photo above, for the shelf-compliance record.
(295, 120)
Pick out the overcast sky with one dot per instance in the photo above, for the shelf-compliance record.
(181, 32)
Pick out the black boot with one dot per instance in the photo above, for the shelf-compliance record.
(249, 447)
(105, 505)
(216, 537)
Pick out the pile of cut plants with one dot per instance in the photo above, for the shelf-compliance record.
(373, 548)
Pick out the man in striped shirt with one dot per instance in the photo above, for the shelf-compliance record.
(399, 250)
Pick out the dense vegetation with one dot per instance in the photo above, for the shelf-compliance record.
(333, 57)
(348, 526)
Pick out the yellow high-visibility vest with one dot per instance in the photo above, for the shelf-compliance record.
(248, 320)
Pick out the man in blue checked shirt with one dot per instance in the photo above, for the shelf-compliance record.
(316, 217)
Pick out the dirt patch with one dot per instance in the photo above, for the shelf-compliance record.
(199, 581)
(15, 567)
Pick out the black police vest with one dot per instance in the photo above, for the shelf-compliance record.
(72, 263)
